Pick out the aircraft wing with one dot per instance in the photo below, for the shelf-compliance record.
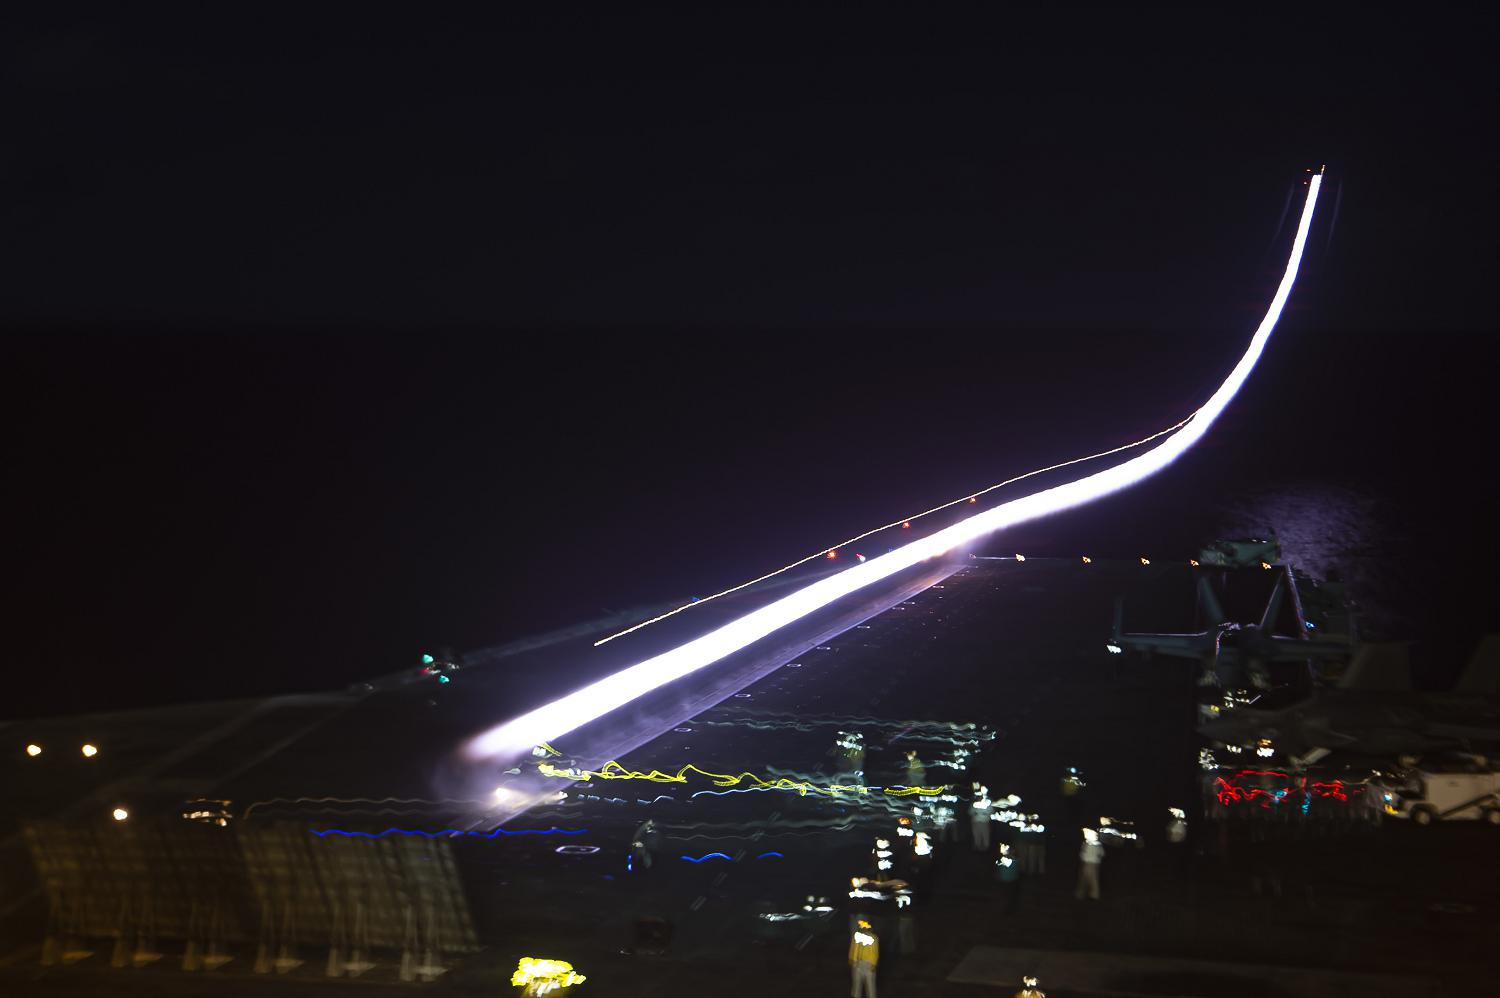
(1296, 650)
(1379, 667)
(1185, 645)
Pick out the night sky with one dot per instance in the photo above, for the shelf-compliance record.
(328, 340)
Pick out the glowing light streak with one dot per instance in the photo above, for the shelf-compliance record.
(831, 553)
(1229, 792)
(747, 829)
(599, 698)
(862, 721)
(357, 800)
(613, 770)
(449, 833)
(771, 855)
(710, 855)
(540, 976)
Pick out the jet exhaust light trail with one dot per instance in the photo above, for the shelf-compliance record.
(831, 552)
(582, 706)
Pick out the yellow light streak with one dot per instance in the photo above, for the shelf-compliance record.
(614, 770)
(539, 976)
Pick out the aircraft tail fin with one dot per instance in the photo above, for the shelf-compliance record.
(1379, 666)
(1208, 603)
(1273, 604)
(1482, 674)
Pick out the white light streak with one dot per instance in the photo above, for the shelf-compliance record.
(552, 720)
(831, 552)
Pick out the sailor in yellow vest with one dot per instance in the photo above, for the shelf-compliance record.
(1029, 989)
(864, 957)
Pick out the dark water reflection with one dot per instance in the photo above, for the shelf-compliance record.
(1337, 533)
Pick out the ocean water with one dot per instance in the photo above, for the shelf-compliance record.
(1338, 534)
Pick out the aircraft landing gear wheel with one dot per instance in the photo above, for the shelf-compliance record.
(1421, 816)
(1491, 816)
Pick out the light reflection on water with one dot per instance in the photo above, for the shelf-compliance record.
(1336, 533)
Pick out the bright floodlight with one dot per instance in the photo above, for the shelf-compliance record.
(33, 750)
(89, 751)
(120, 814)
(571, 712)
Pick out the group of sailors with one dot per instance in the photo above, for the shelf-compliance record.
(901, 862)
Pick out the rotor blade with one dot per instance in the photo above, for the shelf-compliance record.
(1208, 603)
